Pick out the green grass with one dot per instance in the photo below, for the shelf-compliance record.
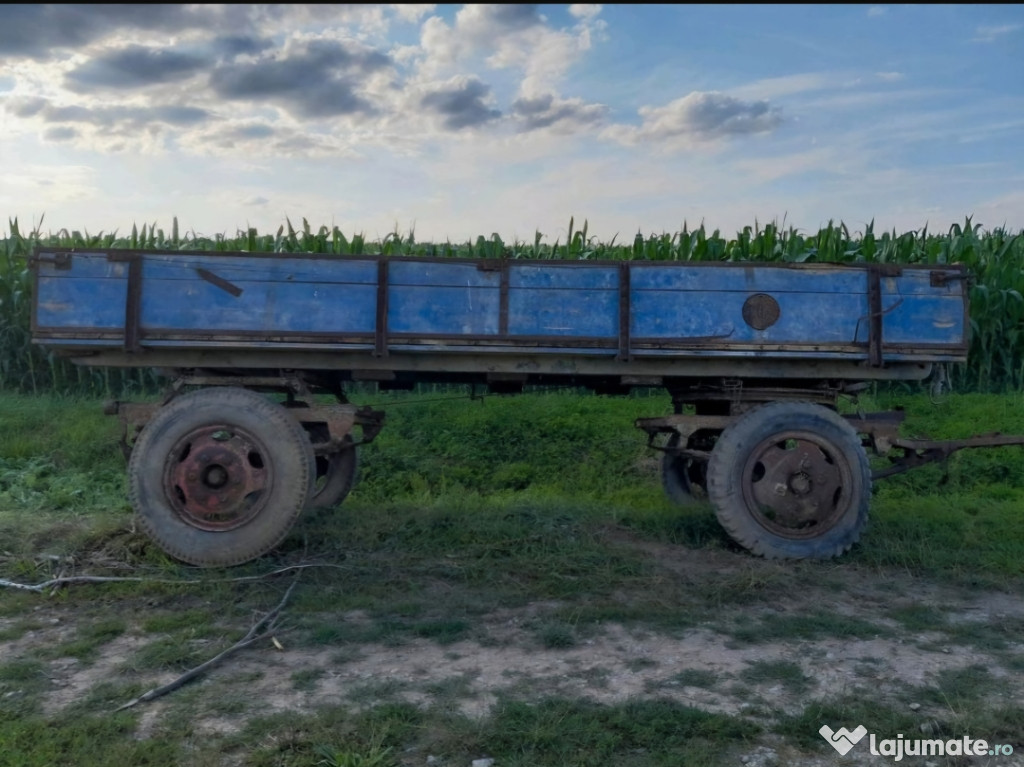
(307, 679)
(88, 639)
(811, 625)
(918, 617)
(960, 689)
(785, 673)
(34, 742)
(695, 677)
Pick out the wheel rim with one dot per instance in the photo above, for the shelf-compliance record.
(797, 484)
(218, 477)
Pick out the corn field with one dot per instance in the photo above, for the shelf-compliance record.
(995, 260)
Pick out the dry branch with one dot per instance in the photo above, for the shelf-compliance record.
(55, 583)
(258, 631)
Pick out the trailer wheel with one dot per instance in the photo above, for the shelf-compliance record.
(218, 476)
(685, 479)
(791, 480)
(335, 476)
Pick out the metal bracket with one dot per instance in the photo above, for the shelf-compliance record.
(59, 260)
(220, 282)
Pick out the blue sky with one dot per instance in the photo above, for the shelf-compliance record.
(467, 120)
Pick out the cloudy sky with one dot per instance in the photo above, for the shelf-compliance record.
(467, 120)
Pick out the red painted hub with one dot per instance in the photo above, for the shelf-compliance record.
(217, 477)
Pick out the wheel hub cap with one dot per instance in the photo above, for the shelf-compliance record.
(216, 477)
(796, 485)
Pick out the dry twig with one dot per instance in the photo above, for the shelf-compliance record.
(258, 631)
(55, 583)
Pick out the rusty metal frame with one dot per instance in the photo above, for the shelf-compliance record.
(369, 340)
(340, 419)
(380, 343)
(684, 426)
(888, 269)
(214, 279)
(625, 313)
(875, 357)
(534, 363)
(133, 300)
(880, 433)
(918, 452)
(503, 290)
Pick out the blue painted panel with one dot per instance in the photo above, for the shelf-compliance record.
(582, 277)
(803, 317)
(262, 306)
(748, 278)
(250, 268)
(924, 319)
(461, 310)
(80, 303)
(563, 312)
(431, 273)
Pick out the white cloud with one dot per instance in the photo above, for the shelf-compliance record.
(890, 77)
(698, 117)
(412, 12)
(990, 33)
(774, 87)
(256, 200)
(877, 10)
(509, 37)
(585, 10)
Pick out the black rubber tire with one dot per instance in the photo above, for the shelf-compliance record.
(335, 477)
(284, 454)
(843, 472)
(683, 479)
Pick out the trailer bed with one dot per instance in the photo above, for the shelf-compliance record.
(454, 317)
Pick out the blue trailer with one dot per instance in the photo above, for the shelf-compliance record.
(755, 357)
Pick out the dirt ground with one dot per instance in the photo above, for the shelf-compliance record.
(702, 666)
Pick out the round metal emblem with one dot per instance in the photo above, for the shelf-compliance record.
(760, 311)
